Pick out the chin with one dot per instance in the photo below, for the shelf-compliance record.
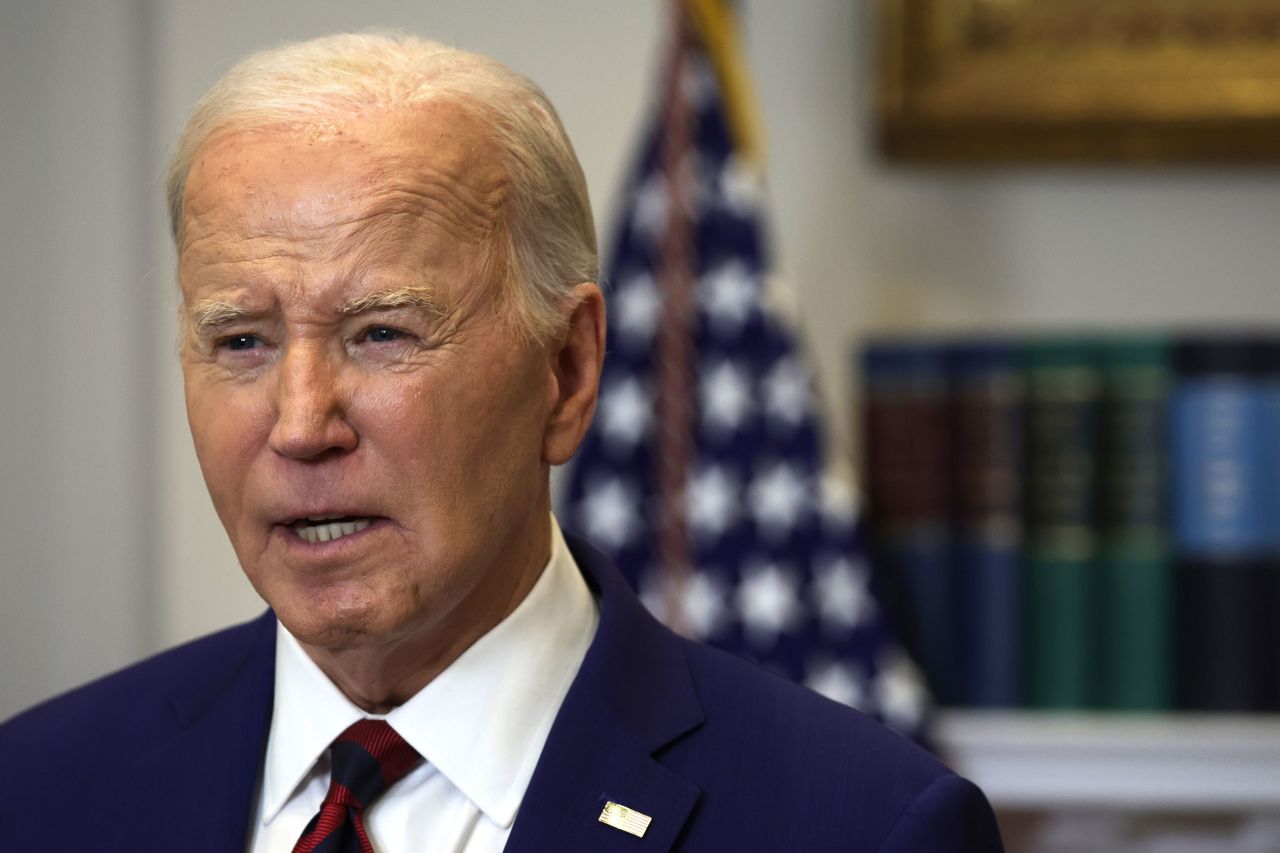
(333, 621)
(332, 632)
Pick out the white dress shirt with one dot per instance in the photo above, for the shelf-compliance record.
(480, 725)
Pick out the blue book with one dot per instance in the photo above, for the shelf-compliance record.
(1223, 442)
(987, 431)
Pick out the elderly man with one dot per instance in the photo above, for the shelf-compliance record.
(390, 332)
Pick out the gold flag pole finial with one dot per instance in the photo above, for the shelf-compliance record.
(715, 24)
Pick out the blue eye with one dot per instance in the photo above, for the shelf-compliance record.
(382, 335)
(241, 342)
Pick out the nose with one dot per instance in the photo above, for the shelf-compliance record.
(311, 419)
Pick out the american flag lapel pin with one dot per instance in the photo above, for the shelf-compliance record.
(627, 819)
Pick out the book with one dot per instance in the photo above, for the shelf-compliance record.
(905, 466)
(1075, 521)
(1062, 403)
(1269, 358)
(1135, 570)
(1223, 522)
(986, 424)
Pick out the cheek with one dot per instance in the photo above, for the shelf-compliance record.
(397, 419)
(456, 442)
(227, 424)
(502, 440)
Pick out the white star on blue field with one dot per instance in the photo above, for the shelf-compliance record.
(778, 572)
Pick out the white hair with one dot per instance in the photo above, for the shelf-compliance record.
(546, 243)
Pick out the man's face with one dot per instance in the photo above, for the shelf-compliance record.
(345, 370)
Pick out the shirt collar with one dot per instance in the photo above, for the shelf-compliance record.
(502, 692)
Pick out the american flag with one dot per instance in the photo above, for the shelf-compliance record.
(703, 476)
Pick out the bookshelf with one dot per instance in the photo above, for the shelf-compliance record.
(1177, 762)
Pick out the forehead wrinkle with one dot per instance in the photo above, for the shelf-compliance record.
(377, 232)
(414, 201)
(461, 206)
(457, 189)
(468, 218)
(369, 237)
(471, 176)
(229, 245)
(463, 189)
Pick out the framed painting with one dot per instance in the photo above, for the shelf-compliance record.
(1080, 80)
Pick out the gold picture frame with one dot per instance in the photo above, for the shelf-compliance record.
(1080, 80)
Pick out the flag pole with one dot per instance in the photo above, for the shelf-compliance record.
(674, 351)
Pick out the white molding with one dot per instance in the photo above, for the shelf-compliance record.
(1182, 762)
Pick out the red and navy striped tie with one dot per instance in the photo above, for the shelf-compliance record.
(367, 759)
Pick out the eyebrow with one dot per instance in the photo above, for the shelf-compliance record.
(210, 315)
(395, 298)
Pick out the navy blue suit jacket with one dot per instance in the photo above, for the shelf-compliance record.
(166, 755)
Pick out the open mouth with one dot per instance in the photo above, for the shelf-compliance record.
(329, 528)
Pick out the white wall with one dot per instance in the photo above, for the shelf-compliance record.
(874, 247)
(77, 345)
(109, 545)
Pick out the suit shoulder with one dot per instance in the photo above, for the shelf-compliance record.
(951, 814)
(799, 740)
(754, 697)
(131, 695)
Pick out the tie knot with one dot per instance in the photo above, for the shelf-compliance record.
(368, 758)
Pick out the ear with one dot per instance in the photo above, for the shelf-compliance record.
(575, 361)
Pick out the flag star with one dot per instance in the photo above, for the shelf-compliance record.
(899, 692)
(726, 397)
(780, 575)
(636, 306)
(786, 391)
(729, 293)
(837, 681)
(625, 413)
(739, 190)
(609, 514)
(704, 604)
(777, 499)
(652, 594)
(649, 209)
(767, 602)
(840, 593)
(712, 501)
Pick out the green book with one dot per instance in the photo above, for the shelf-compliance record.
(1063, 392)
(1135, 569)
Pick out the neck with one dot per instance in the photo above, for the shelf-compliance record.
(381, 676)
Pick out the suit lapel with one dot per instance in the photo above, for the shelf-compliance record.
(217, 750)
(632, 696)
(586, 764)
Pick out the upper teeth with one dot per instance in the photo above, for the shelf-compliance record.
(318, 530)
